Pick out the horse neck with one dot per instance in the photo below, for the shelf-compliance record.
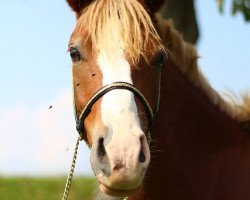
(192, 136)
(188, 112)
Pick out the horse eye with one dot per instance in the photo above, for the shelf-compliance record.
(161, 57)
(75, 55)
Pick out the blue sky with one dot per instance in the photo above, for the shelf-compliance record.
(224, 47)
(35, 73)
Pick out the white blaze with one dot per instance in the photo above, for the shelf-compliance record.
(115, 68)
(118, 109)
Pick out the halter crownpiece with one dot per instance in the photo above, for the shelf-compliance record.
(104, 90)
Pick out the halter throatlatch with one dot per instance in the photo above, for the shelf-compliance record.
(104, 90)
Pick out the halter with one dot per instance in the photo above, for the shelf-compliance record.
(87, 109)
(104, 90)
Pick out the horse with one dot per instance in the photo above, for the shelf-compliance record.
(156, 128)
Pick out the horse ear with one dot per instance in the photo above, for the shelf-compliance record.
(154, 5)
(78, 5)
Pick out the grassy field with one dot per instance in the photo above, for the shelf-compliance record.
(44, 188)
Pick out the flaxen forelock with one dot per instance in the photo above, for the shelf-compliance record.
(123, 23)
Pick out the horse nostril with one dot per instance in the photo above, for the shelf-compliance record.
(102, 157)
(101, 149)
(142, 157)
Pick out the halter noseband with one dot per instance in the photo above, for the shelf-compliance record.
(104, 90)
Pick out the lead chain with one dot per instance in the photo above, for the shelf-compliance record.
(71, 173)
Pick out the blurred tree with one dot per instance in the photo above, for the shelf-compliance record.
(242, 6)
(182, 12)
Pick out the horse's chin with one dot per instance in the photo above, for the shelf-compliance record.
(114, 187)
(118, 192)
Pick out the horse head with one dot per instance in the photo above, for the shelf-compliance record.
(116, 41)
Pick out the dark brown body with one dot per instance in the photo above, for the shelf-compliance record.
(199, 152)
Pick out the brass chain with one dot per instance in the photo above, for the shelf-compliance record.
(71, 173)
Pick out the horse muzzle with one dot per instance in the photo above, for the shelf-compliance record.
(121, 163)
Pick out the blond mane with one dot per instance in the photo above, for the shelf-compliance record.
(184, 56)
(109, 21)
(240, 105)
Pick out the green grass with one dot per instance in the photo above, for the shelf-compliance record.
(44, 188)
